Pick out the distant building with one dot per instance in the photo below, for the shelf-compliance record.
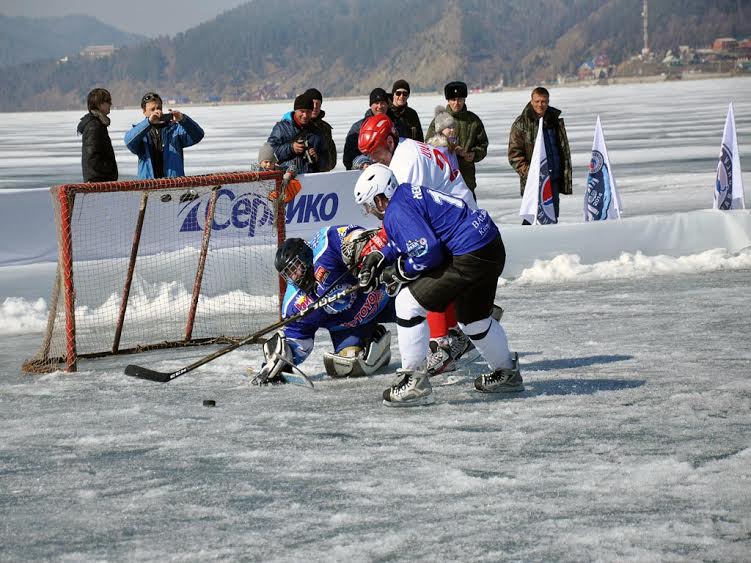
(586, 70)
(725, 44)
(97, 51)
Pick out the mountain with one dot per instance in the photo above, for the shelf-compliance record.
(23, 40)
(266, 50)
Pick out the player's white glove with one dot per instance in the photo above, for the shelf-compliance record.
(371, 270)
(394, 277)
(278, 355)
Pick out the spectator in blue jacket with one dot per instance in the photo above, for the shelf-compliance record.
(158, 141)
(297, 141)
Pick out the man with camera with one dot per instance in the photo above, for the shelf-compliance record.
(159, 139)
(297, 141)
(323, 126)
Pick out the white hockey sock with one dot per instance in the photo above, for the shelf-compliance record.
(412, 330)
(493, 345)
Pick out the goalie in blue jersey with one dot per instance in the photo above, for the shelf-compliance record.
(439, 251)
(361, 344)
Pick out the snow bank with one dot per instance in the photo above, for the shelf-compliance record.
(679, 234)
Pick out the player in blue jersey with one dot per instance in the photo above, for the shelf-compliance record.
(361, 344)
(439, 250)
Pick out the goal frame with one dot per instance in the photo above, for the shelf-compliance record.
(64, 282)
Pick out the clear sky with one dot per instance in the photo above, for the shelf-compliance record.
(146, 17)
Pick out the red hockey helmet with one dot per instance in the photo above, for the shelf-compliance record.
(374, 132)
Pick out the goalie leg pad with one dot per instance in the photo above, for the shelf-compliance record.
(377, 354)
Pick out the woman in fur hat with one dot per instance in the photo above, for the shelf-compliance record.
(445, 130)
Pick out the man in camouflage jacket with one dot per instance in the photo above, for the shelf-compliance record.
(521, 142)
(472, 142)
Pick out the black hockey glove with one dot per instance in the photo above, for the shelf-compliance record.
(372, 266)
(394, 277)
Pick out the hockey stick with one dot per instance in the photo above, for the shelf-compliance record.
(322, 301)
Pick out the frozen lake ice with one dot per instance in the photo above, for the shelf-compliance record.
(631, 442)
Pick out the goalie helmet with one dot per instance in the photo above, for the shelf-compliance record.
(294, 261)
(375, 179)
(374, 132)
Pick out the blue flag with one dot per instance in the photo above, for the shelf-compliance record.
(537, 205)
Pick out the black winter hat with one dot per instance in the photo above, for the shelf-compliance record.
(378, 95)
(303, 101)
(455, 90)
(400, 85)
(314, 94)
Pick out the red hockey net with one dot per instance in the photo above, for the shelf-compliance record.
(161, 263)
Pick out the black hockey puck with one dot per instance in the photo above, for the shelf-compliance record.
(209, 403)
(166, 198)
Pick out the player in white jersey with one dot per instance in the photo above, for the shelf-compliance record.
(419, 164)
(413, 162)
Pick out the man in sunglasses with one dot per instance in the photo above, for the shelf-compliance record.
(159, 139)
(399, 95)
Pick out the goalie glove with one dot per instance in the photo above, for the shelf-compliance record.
(278, 355)
(394, 277)
(372, 267)
(359, 243)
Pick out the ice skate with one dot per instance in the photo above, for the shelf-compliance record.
(459, 343)
(502, 380)
(439, 358)
(413, 390)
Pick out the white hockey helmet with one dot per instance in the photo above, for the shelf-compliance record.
(375, 179)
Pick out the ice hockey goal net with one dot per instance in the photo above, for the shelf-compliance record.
(161, 263)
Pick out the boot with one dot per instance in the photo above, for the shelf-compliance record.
(413, 390)
(502, 380)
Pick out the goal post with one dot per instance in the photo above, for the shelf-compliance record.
(149, 264)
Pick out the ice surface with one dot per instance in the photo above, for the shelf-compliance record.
(631, 442)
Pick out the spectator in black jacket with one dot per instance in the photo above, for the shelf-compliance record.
(411, 121)
(379, 103)
(324, 126)
(98, 162)
(297, 141)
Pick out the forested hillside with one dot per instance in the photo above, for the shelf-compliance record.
(347, 47)
(23, 40)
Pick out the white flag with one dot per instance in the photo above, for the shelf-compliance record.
(728, 192)
(537, 203)
(601, 200)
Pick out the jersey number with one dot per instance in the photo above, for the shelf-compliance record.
(441, 160)
(440, 198)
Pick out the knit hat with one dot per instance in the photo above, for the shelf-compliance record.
(455, 90)
(378, 95)
(303, 101)
(400, 85)
(314, 94)
(443, 119)
(266, 152)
